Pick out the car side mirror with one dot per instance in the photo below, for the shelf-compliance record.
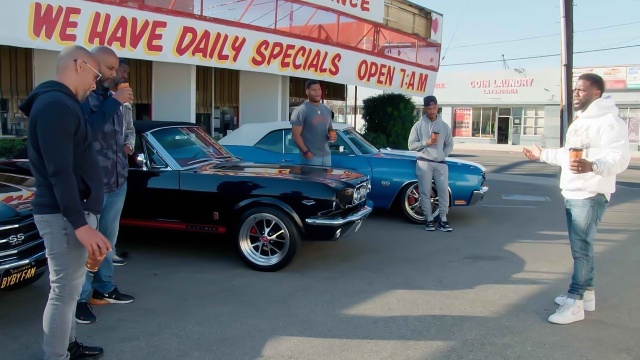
(141, 161)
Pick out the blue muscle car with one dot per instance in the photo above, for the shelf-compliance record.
(392, 172)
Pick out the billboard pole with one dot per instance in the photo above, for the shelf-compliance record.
(566, 95)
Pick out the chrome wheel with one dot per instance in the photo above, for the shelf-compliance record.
(411, 204)
(264, 239)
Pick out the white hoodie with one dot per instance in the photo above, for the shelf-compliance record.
(605, 138)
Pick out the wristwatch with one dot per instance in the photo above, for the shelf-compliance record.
(594, 166)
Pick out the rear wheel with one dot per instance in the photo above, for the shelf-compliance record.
(410, 203)
(267, 239)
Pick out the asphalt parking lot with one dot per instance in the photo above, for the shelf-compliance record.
(392, 291)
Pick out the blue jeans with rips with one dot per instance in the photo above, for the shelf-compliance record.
(583, 218)
(108, 225)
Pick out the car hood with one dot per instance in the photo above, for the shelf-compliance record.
(327, 175)
(16, 194)
(409, 154)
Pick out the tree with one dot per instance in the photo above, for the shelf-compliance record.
(388, 120)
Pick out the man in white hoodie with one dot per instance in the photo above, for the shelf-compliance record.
(431, 138)
(587, 184)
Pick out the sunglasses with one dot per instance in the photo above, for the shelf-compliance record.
(98, 75)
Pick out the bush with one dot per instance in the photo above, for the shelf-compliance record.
(388, 120)
(11, 148)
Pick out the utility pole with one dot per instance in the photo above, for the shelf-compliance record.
(566, 96)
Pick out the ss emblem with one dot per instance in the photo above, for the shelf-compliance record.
(16, 239)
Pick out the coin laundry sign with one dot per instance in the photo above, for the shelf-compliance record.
(137, 34)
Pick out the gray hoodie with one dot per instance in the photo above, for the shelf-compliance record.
(421, 132)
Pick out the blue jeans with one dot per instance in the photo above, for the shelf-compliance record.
(583, 218)
(108, 225)
(316, 160)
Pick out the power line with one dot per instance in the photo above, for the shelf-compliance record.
(541, 56)
(543, 36)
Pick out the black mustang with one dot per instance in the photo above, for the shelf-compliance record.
(181, 179)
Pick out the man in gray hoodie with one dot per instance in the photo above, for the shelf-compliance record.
(431, 138)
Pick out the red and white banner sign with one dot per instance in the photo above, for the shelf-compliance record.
(137, 34)
(367, 9)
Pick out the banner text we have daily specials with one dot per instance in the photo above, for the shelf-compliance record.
(144, 35)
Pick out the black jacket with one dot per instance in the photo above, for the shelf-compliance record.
(106, 120)
(61, 154)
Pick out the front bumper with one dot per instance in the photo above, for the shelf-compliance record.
(337, 227)
(478, 195)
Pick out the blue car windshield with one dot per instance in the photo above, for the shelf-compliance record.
(189, 146)
(360, 142)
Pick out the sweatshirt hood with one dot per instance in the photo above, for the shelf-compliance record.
(600, 108)
(43, 88)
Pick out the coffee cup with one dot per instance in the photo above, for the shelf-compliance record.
(123, 85)
(435, 135)
(93, 263)
(575, 153)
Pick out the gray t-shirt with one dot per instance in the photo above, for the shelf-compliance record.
(315, 120)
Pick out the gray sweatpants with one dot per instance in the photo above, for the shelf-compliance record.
(67, 258)
(427, 172)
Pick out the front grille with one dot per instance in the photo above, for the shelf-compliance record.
(19, 239)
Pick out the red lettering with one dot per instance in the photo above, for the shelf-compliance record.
(276, 51)
(118, 35)
(201, 47)
(260, 57)
(137, 32)
(422, 82)
(215, 45)
(314, 64)
(46, 20)
(221, 56)
(363, 69)
(237, 44)
(334, 68)
(299, 52)
(286, 62)
(187, 37)
(98, 31)
(68, 24)
(155, 34)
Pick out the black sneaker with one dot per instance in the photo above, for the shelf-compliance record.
(78, 351)
(444, 226)
(84, 313)
(113, 297)
(118, 260)
(430, 226)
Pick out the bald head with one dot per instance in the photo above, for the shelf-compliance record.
(77, 68)
(68, 57)
(109, 63)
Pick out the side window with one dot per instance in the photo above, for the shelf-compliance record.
(340, 147)
(272, 142)
(290, 146)
(154, 158)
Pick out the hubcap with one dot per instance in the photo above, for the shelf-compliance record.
(264, 239)
(412, 203)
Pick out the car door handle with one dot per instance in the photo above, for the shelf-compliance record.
(287, 161)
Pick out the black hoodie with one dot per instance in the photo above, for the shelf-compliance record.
(61, 154)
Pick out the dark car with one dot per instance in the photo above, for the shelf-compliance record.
(181, 179)
(22, 253)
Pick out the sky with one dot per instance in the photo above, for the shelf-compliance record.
(479, 22)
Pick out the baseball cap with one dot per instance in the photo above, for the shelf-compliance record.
(430, 99)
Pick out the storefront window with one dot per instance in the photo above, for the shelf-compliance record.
(533, 122)
(632, 117)
(483, 122)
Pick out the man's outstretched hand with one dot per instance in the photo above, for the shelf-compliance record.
(532, 154)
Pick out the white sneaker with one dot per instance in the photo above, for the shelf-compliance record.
(570, 312)
(589, 300)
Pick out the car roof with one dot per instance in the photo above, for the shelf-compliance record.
(142, 126)
(250, 134)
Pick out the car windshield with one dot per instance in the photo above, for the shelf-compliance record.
(190, 145)
(360, 142)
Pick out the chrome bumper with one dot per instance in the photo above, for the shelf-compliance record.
(478, 195)
(36, 257)
(355, 217)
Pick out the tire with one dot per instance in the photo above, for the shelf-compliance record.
(26, 283)
(250, 239)
(410, 203)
